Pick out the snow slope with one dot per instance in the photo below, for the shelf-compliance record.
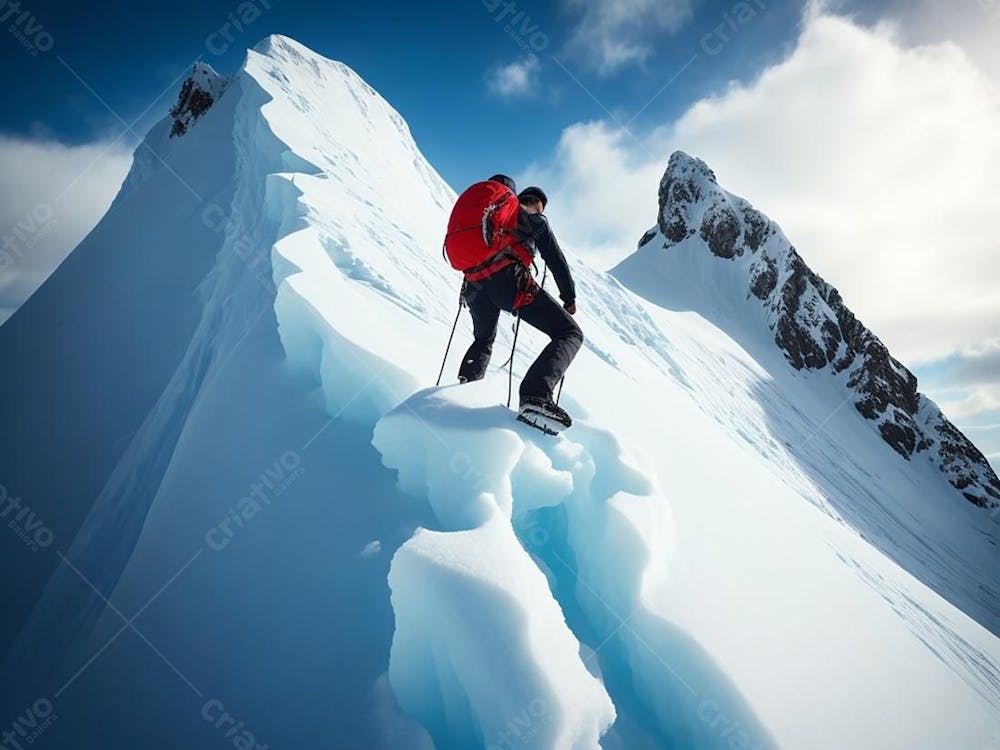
(288, 527)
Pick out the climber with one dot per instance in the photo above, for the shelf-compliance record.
(497, 263)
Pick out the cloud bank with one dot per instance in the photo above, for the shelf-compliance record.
(878, 160)
(54, 194)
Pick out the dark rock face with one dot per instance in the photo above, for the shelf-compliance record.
(813, 327)
(763, 278)
(720, 229)
(902, 439)
(675, 193)
(192, 103)
(966, 466)
(756, 228)
(647, 238)
(198, 93)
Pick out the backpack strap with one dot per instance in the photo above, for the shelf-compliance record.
(502, 259)
(490, 232)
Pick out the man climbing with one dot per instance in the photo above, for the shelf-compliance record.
(503, 281)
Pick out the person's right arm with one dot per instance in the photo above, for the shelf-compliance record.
(536, 228)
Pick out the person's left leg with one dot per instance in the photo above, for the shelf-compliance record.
(485, 316)
(549, 317)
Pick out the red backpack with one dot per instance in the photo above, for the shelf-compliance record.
(482, 235)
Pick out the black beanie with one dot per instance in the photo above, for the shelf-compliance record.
(504, 180)
(534, 192)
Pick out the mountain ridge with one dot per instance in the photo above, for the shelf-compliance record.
(812, 326)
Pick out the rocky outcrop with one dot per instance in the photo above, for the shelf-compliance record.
(814, 328)
(198, 93)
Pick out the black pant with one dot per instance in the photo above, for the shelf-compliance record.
(487, 298)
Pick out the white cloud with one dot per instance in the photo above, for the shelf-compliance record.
(602, 189)
(519, 78)
(973, 366)
(878, 160)
(612, 34)
(53, 195)
(974, 25)
(979, 402)
(966, 385)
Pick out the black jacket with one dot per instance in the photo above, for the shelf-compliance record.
(534, 231)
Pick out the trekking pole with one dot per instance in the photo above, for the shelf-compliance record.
(510, 369)
(461, 304)
(514, 329)
(563, 378)
(513, 348)
(510, 362)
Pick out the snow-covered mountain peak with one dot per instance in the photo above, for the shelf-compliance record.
(205, 76)
(198, 93)
(691, 201)
(684, 168)
(287, 52)
(717, 254)
(279, 44)
(328, 116)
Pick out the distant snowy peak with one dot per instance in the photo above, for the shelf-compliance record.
(811, 325)
(198, 93)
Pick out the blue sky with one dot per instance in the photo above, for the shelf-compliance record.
(863, 128)
(431, 60)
